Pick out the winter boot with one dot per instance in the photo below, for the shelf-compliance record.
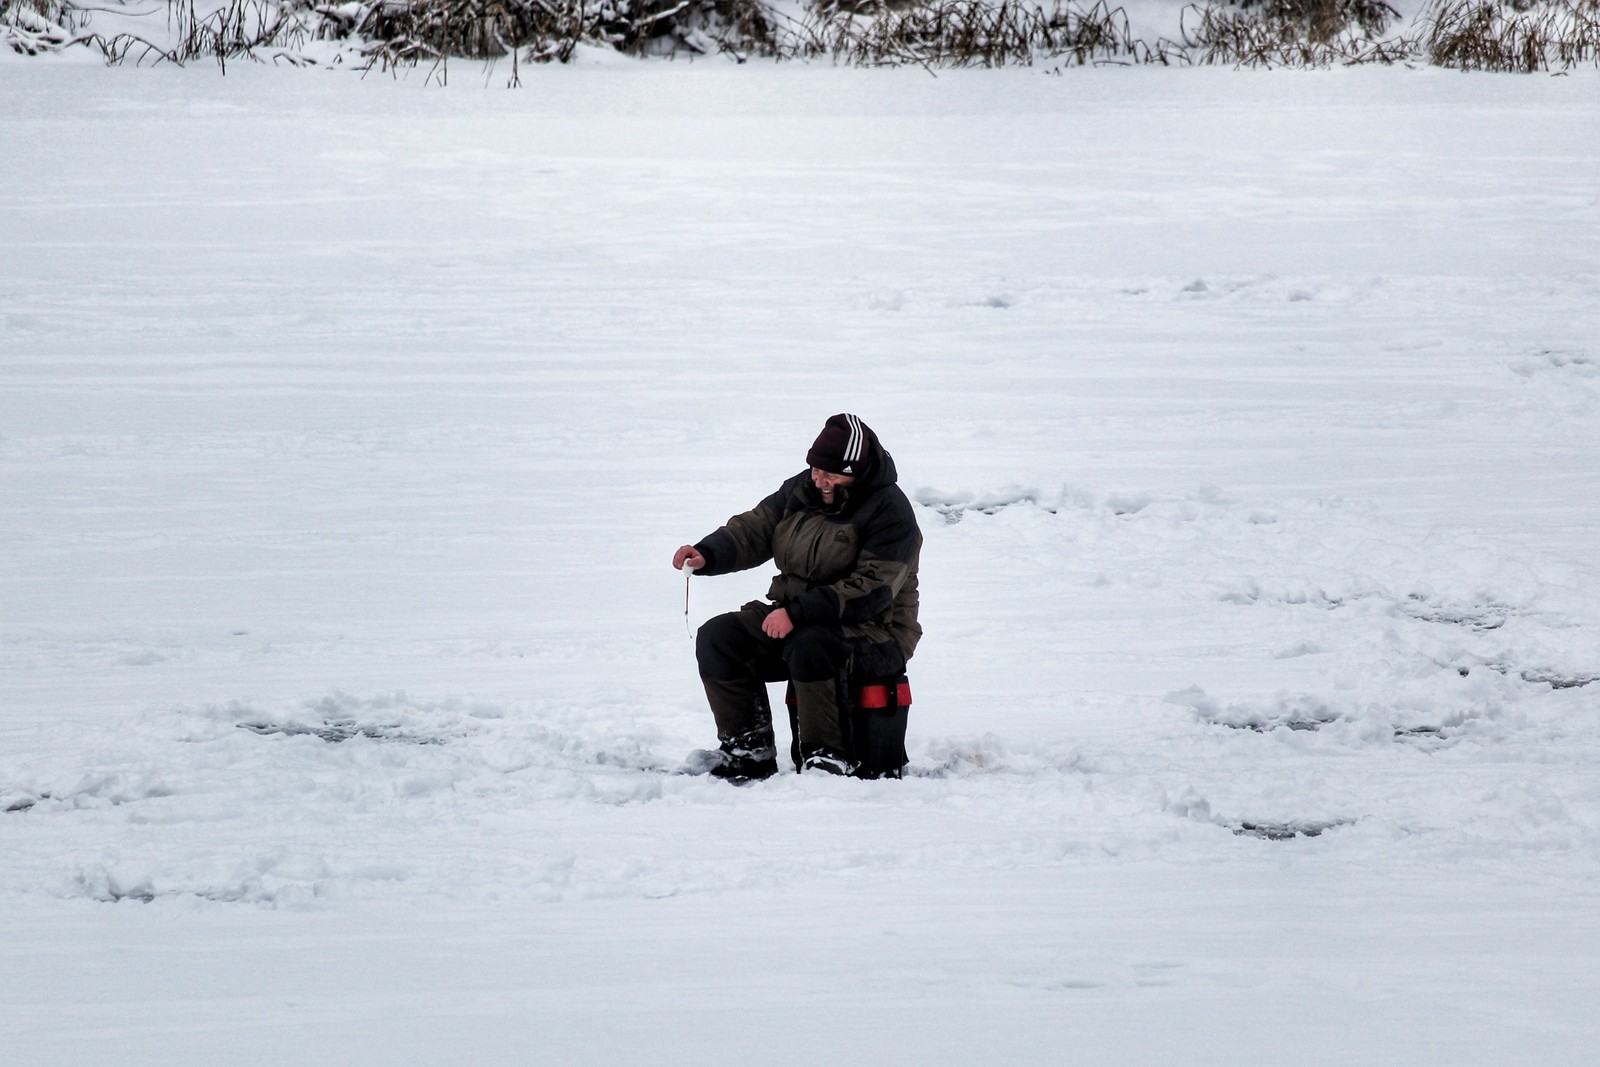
(828, 763)
(747, 758)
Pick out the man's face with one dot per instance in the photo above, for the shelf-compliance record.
(826, 482)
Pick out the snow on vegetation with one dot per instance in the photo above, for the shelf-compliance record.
(1503, 35)
(347, 430)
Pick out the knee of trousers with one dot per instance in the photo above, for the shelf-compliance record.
(813, 653)
(723, 648)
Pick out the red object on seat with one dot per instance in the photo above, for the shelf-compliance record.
(872, 695)
(877, 696)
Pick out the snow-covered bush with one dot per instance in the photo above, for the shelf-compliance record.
(543, 30)
(34, 26)
(257, 29)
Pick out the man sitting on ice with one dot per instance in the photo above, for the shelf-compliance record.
(843, 605)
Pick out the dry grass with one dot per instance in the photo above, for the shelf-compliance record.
(1293, 33)
(1497, 35)
(242, 28)
(1477, 35)
(961, 33)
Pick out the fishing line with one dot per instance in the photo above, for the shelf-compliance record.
(688, 572)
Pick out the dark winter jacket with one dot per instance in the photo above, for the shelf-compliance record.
(853, 562)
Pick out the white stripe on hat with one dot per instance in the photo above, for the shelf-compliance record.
(852, 451)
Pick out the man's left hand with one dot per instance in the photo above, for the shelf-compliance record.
(777, 625)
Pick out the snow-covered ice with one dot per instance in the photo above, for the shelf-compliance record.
(347, 427)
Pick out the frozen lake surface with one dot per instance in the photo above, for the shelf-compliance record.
(347, 428)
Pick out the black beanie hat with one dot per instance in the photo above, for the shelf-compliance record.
(841, 447)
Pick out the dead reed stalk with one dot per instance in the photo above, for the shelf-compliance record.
(1480, 35)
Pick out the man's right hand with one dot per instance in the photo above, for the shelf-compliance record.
(687, 554)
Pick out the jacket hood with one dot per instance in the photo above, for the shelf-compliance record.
(880, 464)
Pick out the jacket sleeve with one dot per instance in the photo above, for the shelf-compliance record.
(745, 541)
(886, 560)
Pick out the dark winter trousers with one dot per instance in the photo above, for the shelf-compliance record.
(737, 659)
